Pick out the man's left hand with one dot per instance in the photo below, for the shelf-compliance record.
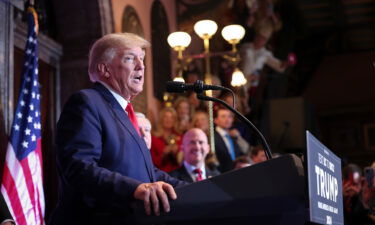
(153, 193)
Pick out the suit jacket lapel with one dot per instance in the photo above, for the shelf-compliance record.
(124, 119)
(185, 175)
(222, 143)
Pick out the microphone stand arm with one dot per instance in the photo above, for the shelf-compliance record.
(267, 149)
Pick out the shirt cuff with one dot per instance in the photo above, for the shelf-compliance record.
(8, 220)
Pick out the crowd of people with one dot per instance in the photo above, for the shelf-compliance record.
(234, 143)
(359, 195)
(232, 138)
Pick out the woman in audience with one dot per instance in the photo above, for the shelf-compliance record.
(166, 141)
(183, 110)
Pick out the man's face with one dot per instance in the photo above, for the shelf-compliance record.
(224, 119)
(145, 128)
(195, 147)
(183, 108)
(126, 72)
(260, 157)
(201, 121)
(229, 100)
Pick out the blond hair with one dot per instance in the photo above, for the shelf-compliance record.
(106, 48)
(159, 131)
(179, 101)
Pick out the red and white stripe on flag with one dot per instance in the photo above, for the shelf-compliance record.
(22, 184)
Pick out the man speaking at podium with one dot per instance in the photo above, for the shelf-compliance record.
(103, 162)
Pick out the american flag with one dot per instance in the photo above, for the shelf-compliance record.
(22, 184)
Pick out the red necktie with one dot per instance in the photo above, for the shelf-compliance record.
(129, 109)
(198, 173)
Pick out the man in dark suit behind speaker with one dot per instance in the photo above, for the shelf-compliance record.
(227, 146)
(195, 148)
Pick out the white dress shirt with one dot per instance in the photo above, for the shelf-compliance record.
(122, 101)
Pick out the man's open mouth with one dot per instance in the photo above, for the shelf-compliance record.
(138, 77)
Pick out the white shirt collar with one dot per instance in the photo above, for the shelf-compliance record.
(122, 101)
(190, 169)
(221, 131)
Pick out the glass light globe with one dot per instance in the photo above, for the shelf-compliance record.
(238, 79)
(205, 28)
(233, 33)
(179, 39)
(179, 79)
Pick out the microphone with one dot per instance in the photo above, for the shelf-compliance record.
(198, 87)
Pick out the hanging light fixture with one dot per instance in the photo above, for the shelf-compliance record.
(238, 79)
(179, 79)
(205, 28)
(233, 34)
(179, 41)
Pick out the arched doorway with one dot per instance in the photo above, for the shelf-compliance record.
(161, 63)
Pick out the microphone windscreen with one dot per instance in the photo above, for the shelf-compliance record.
(175, 87)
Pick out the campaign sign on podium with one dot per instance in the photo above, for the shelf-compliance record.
(325, 183)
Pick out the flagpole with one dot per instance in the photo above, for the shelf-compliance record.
(32, 10)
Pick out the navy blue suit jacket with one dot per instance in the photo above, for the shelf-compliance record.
(222, 153)
(101, 160)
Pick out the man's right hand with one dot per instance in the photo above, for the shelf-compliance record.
(153, 193)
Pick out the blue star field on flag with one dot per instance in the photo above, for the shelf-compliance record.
(26, 128)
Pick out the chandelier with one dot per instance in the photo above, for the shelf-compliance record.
(205, 29)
